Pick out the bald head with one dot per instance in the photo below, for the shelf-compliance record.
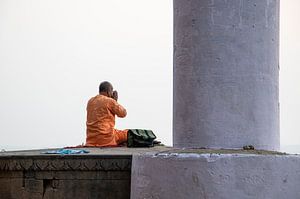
(105, 87)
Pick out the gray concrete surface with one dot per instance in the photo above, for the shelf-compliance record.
(215, 176)
(226, 73)
(93, 151)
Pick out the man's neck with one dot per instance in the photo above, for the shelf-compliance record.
(103, 93)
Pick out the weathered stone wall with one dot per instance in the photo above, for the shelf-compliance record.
(36, 177)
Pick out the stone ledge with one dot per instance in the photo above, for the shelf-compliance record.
(99, 159)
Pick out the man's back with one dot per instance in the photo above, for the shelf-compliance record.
(101, 111)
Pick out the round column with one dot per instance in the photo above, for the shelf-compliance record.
(226, 64)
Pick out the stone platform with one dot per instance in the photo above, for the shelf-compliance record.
(159, 172)
(102, 173)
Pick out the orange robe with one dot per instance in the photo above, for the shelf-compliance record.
(100, 131)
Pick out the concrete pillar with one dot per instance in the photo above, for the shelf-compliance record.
(226, 64)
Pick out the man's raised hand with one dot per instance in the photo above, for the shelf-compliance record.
(115, 95)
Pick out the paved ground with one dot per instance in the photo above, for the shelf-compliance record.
(93, 151)
(124, 151)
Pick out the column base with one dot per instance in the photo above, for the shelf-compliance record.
(223, 174)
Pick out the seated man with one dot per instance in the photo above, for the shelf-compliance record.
(101, 111)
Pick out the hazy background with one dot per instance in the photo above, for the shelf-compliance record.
(54, 54)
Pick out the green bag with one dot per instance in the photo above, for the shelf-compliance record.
(140, 138)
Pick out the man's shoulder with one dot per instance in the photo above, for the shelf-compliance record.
(92, 99)
(102, 98)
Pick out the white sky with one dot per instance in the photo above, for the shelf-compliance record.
(54, 54)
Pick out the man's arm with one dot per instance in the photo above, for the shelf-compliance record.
(116, 108)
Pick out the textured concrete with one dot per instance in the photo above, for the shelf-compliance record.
(215, 176)
(226, 73)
